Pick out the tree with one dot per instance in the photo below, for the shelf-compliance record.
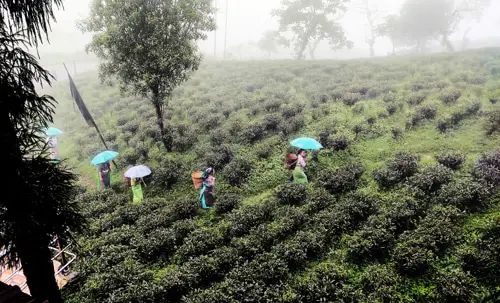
(442, 19)
(35, 204)
(309, 23)
(150, 46)
(372, 15)
(267, 43)
(391, 28)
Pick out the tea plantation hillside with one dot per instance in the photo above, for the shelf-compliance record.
(402, 204)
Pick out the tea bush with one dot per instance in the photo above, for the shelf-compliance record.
(292, 193)
(342, 179)
(451, 160)
(398, 170)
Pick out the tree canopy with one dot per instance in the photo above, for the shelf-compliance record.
(310, 22)
(268, 43)
(149, 46)
(422, 21)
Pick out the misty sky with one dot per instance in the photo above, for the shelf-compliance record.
(247, 21)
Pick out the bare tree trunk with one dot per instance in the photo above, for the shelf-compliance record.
(371, 43)
(447, 43)
(158, 105)
(312, 49)
(39, 270)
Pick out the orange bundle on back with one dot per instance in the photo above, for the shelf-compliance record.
(291, 159)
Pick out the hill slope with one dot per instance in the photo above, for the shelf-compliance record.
(382, 220)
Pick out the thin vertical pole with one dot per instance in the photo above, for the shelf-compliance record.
(215, 31)
(225, 34)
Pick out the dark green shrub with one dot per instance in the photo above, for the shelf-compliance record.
(358, 109)
(342, 179)
(253, 133)
(237, 171)
(451, 160)
(465, 194)
(289, 111)
(184, 209)
(487, 168)
(244, 218)
(397, 133)
(372, 242)
(430, 178)
(391, 108)
(455, 285)
(481, 256)
(350, 99)
(443, 125)
(428, 112)
(219, 137)
(272, 122)
(337, 143)
(418, 249)
(371, 120)
(402, 213)
(492, 123)
(450, 96)
(398, 170)
(218, 157)
(292, 125)
(272, 105)
(323, 137)
(183, 137)
(390, 98)
(416, 98)
(167, 173)
(323, 98)
(292, 193)
(226, 203)
(327, 283)
(379, 283)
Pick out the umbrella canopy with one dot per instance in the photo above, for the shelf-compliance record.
(52, 132)
(105, 156)
(138, 171)
(307, 143)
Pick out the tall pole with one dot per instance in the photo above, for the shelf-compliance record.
(225, 28)
(215, 31)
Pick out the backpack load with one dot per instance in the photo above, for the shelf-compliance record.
(197, 179)
(291, 159)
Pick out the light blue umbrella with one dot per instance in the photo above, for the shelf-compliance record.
(52, 132)
(307, 143)
(103, 157)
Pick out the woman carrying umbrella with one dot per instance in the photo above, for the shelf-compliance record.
(135, 174)
(137, 195)
(297, 168)
(103, 166)
(105, 173)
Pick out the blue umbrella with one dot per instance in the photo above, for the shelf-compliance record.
(52, 132)
(307, 143)
(103, 157)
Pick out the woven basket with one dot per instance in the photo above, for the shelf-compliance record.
(197, 179)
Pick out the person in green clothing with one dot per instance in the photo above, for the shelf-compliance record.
(297, 173)
(136, 186)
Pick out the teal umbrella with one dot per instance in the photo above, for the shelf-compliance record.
(103, 157)
(52, 132)
(307, 143)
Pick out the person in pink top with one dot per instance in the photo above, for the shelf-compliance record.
(301, 158)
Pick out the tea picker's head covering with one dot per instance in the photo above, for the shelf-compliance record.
(207, 172)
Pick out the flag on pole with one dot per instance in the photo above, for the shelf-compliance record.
(83, 109)
(79, 101)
